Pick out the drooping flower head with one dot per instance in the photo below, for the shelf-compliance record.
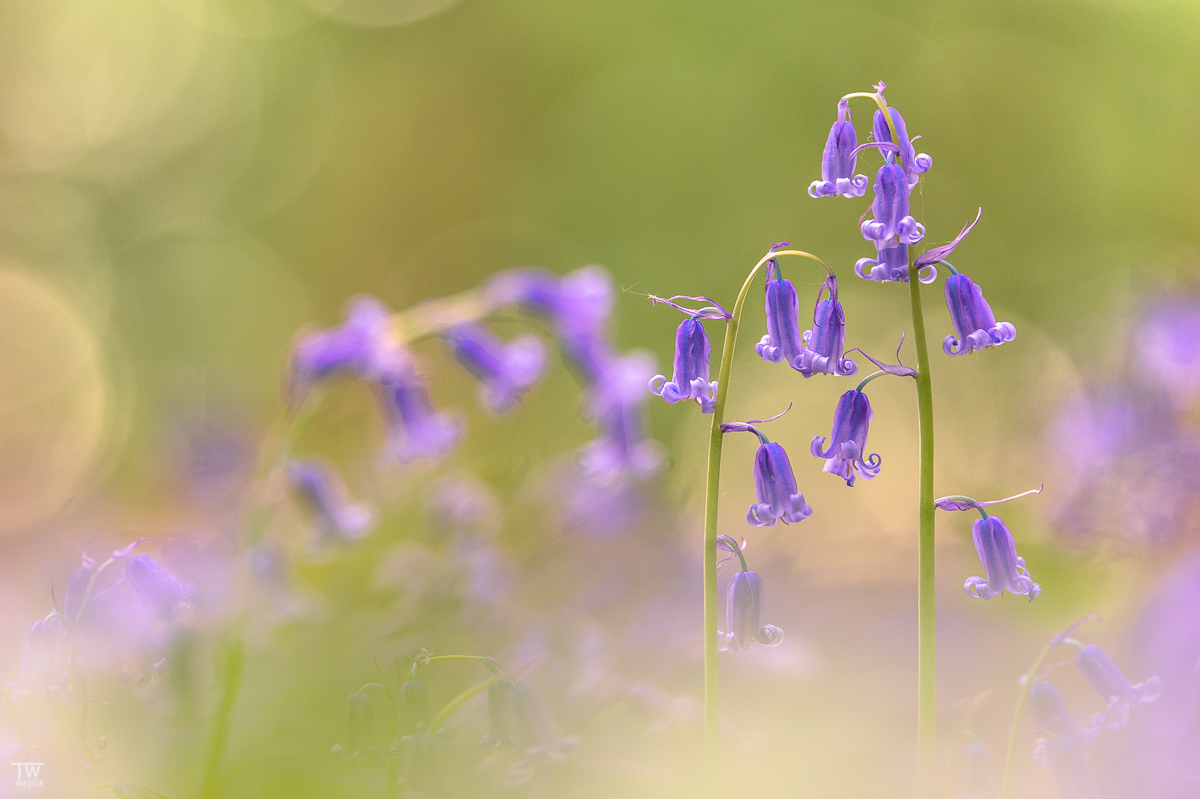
(362, 346)
(1167, 341)
(914, 165)
(774, 482)
(577, 306)
(973, 319)
(326, 499)
(743, 615)
(162, 594)
(518, 720)
(998, 553)
(823, 345)
(506, 371)
(892, 220)
(621, 448)
(839, 159)
(783, 341)
(1063, 748)
(416, 429)
(846, 454)
(690, 377)
(1110, 682)
(37, 667)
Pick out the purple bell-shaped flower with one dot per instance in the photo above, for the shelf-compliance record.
(914, 165)
(506, 371)
(823, 345)
(162, 594)
(743, 615)
(1110, 682)
(417, 430)
(363, 346)
(334, 516)
(846, 454)
(973, 319)
(998, 553)
(892, 220)
(621, 448)
(690, 378)
(839, 159)
(783, 341)
(775, 488)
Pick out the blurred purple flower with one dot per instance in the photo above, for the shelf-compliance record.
(162, 594)
(846, 453)
(823, 345)
(973, 319)
(975, 765)
(783, 341)
(914, 165)
(615, 402)
(325, 497)
(1167, 338)
(506, 371)
(417, 431)
(1114, 687)
(891, 220)
(690, 377)
(37, 666)
(363, 346)
(743, 615)
(577, 306)
(465, 504)
(998, 553)
(1064, 749)
(839, 159)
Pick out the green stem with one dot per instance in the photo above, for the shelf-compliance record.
(926, 611)
(17, 720)
(458, 701)
(222, 722)
(711, 497)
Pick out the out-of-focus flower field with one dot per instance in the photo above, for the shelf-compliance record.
(208, 210)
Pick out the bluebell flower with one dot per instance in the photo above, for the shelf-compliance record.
(891, 264)
(690, 377)
(325, 497)
(162, 594)
(743, 615)
(892, 221)
(846, 454)
(998, 553)
(973, 319)
(37, 666)
(976, 769)
(414, 708)
(1063, 751)
(577, 306)
(823, 345)
(621, 448)
(77, 586)
(416, 429)
(505, 371)
(914, 165)
(839, 159)
(362, 736)
(783, 341)
(1114, 687)
(518, 720)
(363, 346)
(1167, 339)
(775, 488)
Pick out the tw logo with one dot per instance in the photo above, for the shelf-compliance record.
(29, 775)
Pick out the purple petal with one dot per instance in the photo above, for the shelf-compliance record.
(938, 253)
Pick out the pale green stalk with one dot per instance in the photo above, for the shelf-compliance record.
(223, 720)
(711, 497)
(926, 611)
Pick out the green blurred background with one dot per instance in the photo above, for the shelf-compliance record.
(185, 184)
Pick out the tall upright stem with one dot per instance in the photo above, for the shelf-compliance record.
(926, 612)
(223, 719)
(711, 498)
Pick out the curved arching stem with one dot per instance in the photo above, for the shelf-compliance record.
(712, 494)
